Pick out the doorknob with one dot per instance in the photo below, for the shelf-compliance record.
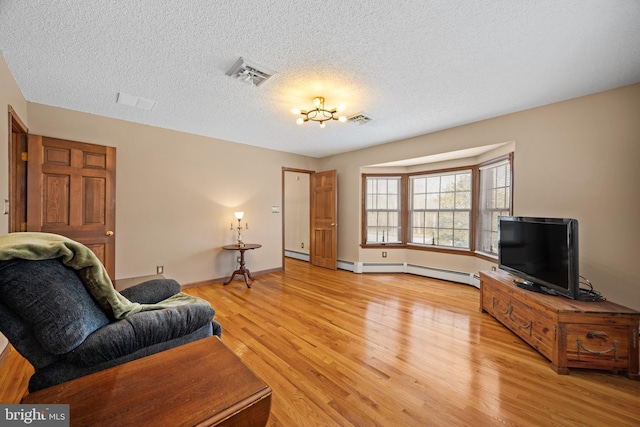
(109, 233)
(333, 224)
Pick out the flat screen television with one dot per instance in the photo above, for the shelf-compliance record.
(542, 252)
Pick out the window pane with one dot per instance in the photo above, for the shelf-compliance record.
(501, 179)
(461, 220)
(461, 238)
(433, 201)
(372, 218)
(392, 201)
(445, 237)
(463, 182)
(447, 200)
(383, 208)
(433, 185)
(445, 220)
(419, 185)
(382, 202)
(419, 201)
(448, 183)
(447, 209)
(500, 198)
(495, 195)
(392, 186)
(431, 219)
(463, 200)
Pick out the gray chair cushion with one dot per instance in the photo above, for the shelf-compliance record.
(140, 330)
(151, 291)
(50, 318)
(36, 290)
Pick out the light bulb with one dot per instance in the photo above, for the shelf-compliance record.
(322, 125)
(317, 101)
(342, 119)
(340, 108)
(300, 121)
(295, 110)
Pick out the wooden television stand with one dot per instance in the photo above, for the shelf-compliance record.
(571, 334)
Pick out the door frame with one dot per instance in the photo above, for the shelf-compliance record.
(17, 172)
(295, 170)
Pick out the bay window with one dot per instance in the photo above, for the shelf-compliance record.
(446, 210)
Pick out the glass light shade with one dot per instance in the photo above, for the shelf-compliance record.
(322, 125)
(317, 102)
(342, 119)
(295, 110)
(238, 215)
(300, 121)
(340, 108)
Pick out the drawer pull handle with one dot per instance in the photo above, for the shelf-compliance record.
(597, 334)
(509, 312)
(527, 326)
(613, 348)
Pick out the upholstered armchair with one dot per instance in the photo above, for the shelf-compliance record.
(48, 315)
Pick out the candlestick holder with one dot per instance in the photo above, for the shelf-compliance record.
(239, 228)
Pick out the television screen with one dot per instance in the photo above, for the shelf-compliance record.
(542, 251)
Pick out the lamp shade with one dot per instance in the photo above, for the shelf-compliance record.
(238, 215)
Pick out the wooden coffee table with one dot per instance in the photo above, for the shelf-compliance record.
(202, 383)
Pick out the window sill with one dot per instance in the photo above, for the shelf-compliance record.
(426, 248)
(383, 245)
(486, 256)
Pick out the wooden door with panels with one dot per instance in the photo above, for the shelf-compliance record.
(71, 191)
(324, 215)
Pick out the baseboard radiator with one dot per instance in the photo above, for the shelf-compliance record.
(419, 270)
(297, 255)
(398, 267)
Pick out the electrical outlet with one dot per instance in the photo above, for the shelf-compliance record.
(493, 268)
(302, 245)
(160, 269)
(384, 254)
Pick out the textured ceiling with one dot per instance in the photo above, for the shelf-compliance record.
(414, 66)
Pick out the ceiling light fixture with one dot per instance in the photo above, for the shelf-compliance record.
(319, 114)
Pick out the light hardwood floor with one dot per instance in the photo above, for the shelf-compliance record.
(344, 349)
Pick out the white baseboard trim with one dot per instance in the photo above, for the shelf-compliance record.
(419, 270)
(398, 267)
(297, 255)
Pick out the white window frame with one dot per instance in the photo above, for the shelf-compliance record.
(383, 215)
(495, 199)
(440, 211)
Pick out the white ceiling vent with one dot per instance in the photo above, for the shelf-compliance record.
(249, 72)
(359, 119)
(135, 101)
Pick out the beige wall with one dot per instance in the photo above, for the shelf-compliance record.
(577, 158)
(176, 194)
(296, 221)
(10, 95)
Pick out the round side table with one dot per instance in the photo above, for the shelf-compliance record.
(242, 270)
